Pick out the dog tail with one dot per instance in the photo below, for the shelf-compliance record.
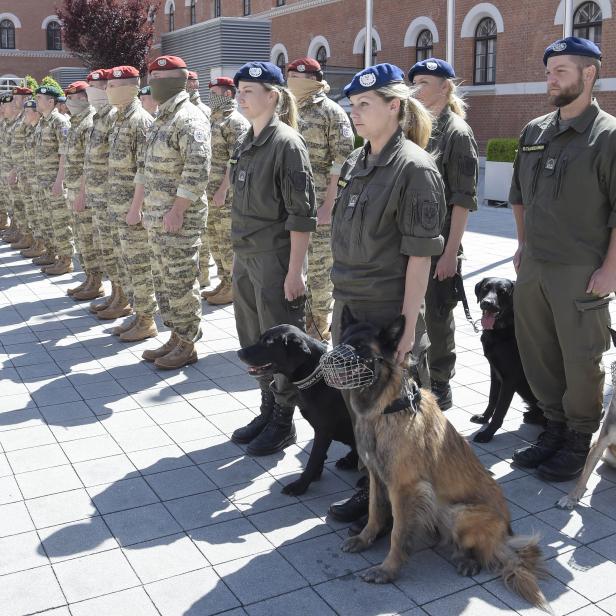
(522, 563)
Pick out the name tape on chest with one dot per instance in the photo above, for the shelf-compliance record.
(233, 161)
(538, 147)
(342, 183)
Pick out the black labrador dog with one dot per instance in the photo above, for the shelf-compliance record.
(495, 297)
(287, 350)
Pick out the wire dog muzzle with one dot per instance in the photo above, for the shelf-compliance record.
(343, 368)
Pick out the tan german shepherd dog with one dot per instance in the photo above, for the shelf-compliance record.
(426, 476)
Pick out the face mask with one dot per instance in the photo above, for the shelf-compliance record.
(122, 95)
(164, 88)
(218, 101)
(77, 106)
(97, 98)
(302, 88)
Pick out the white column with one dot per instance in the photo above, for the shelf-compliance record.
(368, 48)
(451, 30)
(568, 23)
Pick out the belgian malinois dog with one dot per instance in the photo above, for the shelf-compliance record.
(423, 473)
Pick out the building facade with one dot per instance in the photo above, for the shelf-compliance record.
(498, 45)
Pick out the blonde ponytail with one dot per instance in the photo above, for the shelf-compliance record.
(287, 105)
(455, 102)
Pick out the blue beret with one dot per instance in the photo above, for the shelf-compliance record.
(265, 72)
(30, 104)
(48, 91)
(145, 91)
(434, 67)
(572, 46)
(374, 77)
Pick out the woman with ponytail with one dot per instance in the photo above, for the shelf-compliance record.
(272, 215)
(386, 224)
(453, 146)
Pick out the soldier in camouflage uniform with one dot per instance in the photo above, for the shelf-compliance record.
(10, 116)
(49, 144)
(126, 145)
(329, 137)
(228, 126)
(4, 206)
(174, 176)
(82, 114)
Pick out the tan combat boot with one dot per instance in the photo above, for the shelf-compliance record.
(144, 328)
(25, 242)
(36, 250)
(92, 290)
(64, 265)
(212, 292)
(318, 328)
(70, 292)
(106, 302)
(118, 308)
(224, 296)
(126, 326)
(47, 258)
(154, 354)
(16, 238)
(183, 354)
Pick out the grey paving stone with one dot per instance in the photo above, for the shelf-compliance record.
(603, 502)
(57, 395)
(141, 524)
(61, 508)
(230, 472)
(37, 458)
(228, 422)
(470, 602)
(30, 591)
(171, 413)
(73, 429)
(99, 390)
(213, 405)
(180, 482)
(211, 449)
(607, 605)
(159, 459)
(582, 524)
(59, 413)
(152, 397)
(81, 578)
(202, 509)
(163, 558)
(305, 601)
(531, 494)
(105, 470)
(91, 448)
(258, 495)
(190, 430)
(134, 419)
(142, 438)
(124, 494)
(552, 542)
(199, 593)
(112, 404)
(21, 552)
(131, 602)
(24, 438)
(29, 417)
(14, 519)
(48, 481)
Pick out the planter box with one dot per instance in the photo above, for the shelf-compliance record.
(498, 181)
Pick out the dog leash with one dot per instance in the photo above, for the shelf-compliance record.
(459, 287)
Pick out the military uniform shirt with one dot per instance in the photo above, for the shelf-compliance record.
(76, 140)
(195, 99)
(16, 140)
(49, 144)
(96, 163)
(387, 210)
(273, 190)
(566, 180)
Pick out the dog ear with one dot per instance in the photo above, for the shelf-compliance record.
(293, 339)
(390, 336)
(347, 318)
(478, 288)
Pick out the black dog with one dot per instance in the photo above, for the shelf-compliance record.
(287, 350)
(495, 297)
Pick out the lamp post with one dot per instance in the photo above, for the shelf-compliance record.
(568, 21)
(451, 33)
(368, 46)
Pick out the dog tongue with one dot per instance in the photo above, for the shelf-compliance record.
(487, 320)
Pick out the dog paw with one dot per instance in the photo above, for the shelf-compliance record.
(567, 502)
(354, 544)
(479, 419)
(468, 567)
(296, 488)
(483, 437)
(377, 575)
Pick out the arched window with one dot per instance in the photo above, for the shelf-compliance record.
(281, 63)
(172, 18)
(7, 34)
(424, 46)
(322, 56)
(193, 12)
(485, 52)
(587, 21)
(54, 38)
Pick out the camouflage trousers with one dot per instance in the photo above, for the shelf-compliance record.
(175, 270)
(58, 216)
(30, 209)
(102, 236)
(320, 287)
(137, 263)
(219, 236)
(204, 253)
(84, 237)
(18, 208)
(44, 230)
(123, 277)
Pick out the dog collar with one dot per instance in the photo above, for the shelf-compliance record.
(409, 400)
(312, 379)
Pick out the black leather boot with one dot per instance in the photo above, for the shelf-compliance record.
(355, 507)
(442, 393)
(569, 461)
(548, 443)
(278, 433)
(255, 427)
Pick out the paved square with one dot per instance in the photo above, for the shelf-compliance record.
(121, 494)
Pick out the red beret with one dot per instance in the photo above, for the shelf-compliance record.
(166, 63)
(21, 91)
(76, 86)
(222, 81)
(304, 65)
(193, 75)
(100, 74)
(122, 72)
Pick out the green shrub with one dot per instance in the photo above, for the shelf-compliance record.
(359, 141)
(502, 150)
(30, 82)
(50, 81)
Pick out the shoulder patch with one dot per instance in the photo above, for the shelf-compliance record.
(538, 147)
(347, 131)
(199, 135)
(64, 131)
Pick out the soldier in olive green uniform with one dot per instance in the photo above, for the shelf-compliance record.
(272, 216)
(126, 145)
(228, 127)
(49, 144)
(564, 197)
(329, 137)
(454, 148)
(174, 175)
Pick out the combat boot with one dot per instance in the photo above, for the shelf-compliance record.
(143, 327)
(223, 297)
(279, 432)
(442, 393)
(125, 327)
(548, 443)
(47, 258)
(161, 351)
(568, 462)
(64, 265)
(16, 238)
(106, 302)
(25, 242)
(204, 278)
(70, 292)
(255, 427)
(183, 354)
(4, 221)
(355, 507)
(117, 309)
(93, 289)
(36, 250)
(211, 293)
(318, 328)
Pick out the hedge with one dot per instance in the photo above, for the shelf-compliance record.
(502, 150)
